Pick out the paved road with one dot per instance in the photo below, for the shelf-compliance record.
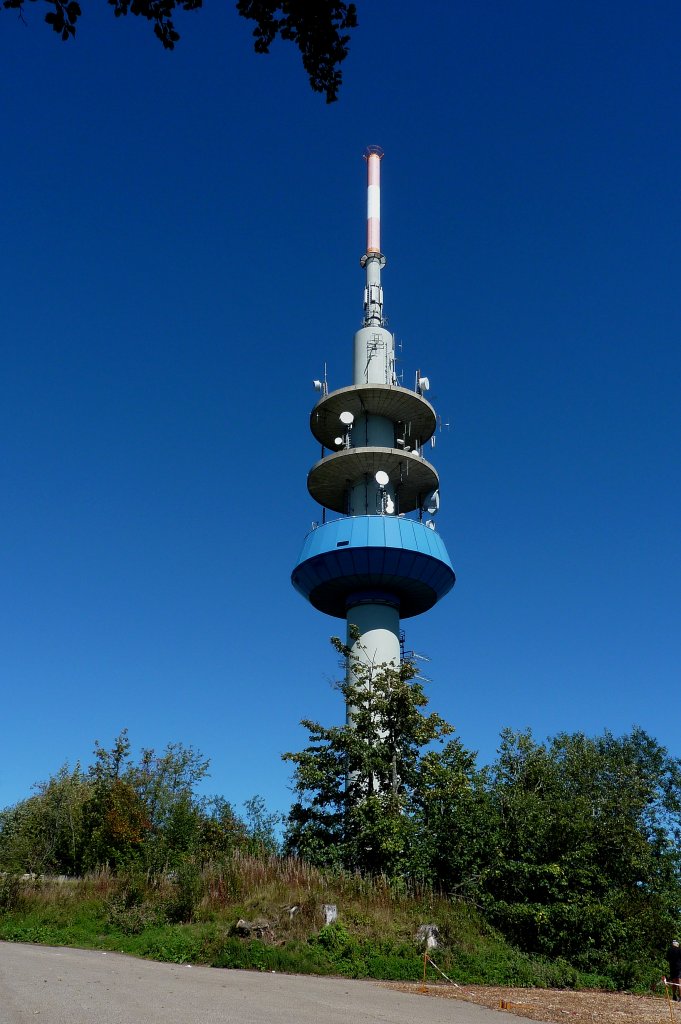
(74, 986)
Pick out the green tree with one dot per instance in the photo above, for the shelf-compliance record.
(146, 811)
(356, 783)
(453, 818)
(44, 833)
(165, 784)
(221, 830)
(583, 857)
(261, 826)
(115, 817)
(318, 29)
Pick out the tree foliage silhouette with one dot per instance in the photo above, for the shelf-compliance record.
(318, 27)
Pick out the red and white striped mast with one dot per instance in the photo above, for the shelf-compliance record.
(373, 260)
(373, 157)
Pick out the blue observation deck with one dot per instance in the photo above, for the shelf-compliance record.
(397, 557)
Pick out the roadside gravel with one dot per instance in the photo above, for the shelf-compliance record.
(557, 1006)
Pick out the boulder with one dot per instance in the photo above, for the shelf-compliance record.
(330, 911)
(258, 929)
(427, 936)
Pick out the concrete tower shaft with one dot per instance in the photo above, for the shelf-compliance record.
(379, 562)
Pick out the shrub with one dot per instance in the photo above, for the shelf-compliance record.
(11, 893)
(188, 892)
(131, 920)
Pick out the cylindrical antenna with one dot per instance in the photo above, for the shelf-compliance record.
(373, 158)
(373, 260)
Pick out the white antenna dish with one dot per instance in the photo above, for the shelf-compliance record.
(424, 384)
(338, 441)
(432, 503)
(317, 385)
(382, 478)
(389, 505)
(347, 418)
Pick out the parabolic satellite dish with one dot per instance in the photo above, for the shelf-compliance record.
(382, 478)
(347, 418)
(432, 503)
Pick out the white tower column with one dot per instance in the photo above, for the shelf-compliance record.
(374, 363)
(378, 642)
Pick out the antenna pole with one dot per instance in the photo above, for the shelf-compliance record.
(373, 260)
(373, 159)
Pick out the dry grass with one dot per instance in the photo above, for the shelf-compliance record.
(254, 872)
(557, 1006)
(258, 882)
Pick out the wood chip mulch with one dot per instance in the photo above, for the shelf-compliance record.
(558, 1006)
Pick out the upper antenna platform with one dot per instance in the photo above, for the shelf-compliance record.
(373, 151)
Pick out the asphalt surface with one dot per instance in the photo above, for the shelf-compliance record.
(75, 986)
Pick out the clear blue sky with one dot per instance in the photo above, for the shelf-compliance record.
(181, 236)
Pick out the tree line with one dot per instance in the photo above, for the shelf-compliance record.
(125, 813)
(569, 846)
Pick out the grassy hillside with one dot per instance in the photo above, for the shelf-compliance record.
(191, 917)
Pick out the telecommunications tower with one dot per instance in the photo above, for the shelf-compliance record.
(376, 557)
